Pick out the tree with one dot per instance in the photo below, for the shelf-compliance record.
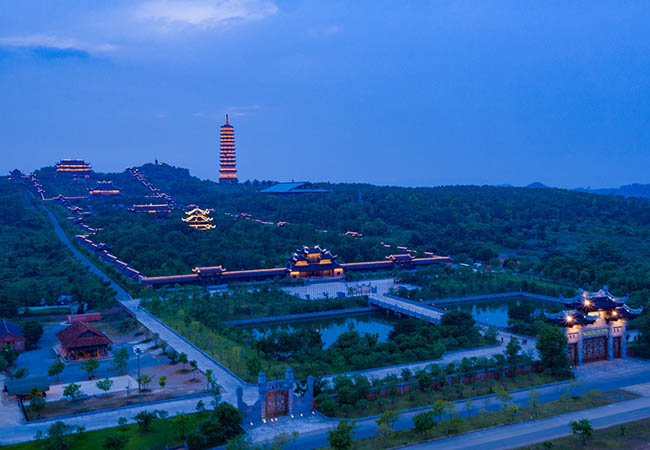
(122, 421)
(533, 400)
(200, 406)
(182, 425)
(90, 366)
(552, 346)
(21, 373)
(145, 418)
(55, 369)
(36, 403)
(424, 422)
(163, 346)
(340, 437)
(512, 350)
(120, 359)
(195, 366)
(386, 422)
(208, 378)
(105, 384)
(32, 331)
(182, 358)
(172, 355)
(72, 391)
(144, 380)
(56, 434)
(162, 381)
(115, 442)
(582, 429)
(253, 366)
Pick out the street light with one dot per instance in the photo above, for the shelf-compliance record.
(138, 351)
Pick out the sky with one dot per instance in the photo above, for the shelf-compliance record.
(418, 93)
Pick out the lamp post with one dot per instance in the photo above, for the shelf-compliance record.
(138, 351)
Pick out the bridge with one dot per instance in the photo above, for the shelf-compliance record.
(404, 307)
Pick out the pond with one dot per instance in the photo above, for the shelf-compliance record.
(331, 328)
(495, 312)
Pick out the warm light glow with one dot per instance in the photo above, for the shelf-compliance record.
(587, 303)
(614, 313)
(569, 318)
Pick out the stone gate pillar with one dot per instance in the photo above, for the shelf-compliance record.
(579, 346)
(624, 340)
(289, 380)
(610, 343)
(261, 387)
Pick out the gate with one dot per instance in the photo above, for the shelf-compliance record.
(277, 403)
(594, 349)
(617, 347)
(573, 354)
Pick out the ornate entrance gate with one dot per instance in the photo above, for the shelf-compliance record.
(573, 354)
(277, 403)
(594, 349)
(617, 346)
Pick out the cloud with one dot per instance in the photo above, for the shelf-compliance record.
(242, 110)
(204, 13)
(48, 41)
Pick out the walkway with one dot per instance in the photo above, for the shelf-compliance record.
(405, 307)
(528, 433)
(121, 293)
(228, 380)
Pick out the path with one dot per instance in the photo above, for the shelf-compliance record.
(228, 380)
(533, 432)
(121, 293)
(404, 307)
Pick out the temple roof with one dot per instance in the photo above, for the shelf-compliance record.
(570, 318)
(10, 328)
(594, 301)
(211, 270)
(624, 312)
(80, 334)
(104, 186)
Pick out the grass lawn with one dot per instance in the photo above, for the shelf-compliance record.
(486, 420)
(450, 393)
(161, 434)
(628, 435)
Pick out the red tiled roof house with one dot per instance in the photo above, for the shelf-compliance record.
(83, 341)
(11, 334)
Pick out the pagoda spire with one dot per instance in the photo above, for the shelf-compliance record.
(226, 119)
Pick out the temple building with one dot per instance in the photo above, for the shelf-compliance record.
(16, 174)
(83, 341)
(159, 210)
(313, 262)
(199, 219)
(228, 169)
(104, 189)
(595, 326)
(76, 167)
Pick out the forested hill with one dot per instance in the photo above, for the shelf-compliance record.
(586, 239)
(628, 190)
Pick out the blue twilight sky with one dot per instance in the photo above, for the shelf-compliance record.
(409, 93)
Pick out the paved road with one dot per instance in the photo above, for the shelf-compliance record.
(121, 293)
(528, 433)
(638, 373)
(223, 376)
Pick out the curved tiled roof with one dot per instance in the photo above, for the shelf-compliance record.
(80, 334)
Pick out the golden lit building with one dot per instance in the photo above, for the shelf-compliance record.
(76, 167)
(228, 169)
(104, 188)
(198, 219)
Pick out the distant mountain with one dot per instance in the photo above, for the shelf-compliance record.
(537, 185)
(628, 190)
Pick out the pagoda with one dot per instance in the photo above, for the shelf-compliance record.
(76, 167)
(105, 189)
(199, 219)
(313, 262)
(228, 168)
(594, 323)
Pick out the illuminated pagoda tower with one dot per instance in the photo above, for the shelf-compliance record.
(314, 262)
(104, 189)
(75, 167)
(594, 324)
(228, 169)
(198, 219)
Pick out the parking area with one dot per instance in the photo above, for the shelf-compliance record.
(332, 289)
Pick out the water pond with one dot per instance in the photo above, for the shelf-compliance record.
(331, 328)
(495, 312)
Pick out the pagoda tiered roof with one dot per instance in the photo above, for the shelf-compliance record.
(587, 307)
(73, 166)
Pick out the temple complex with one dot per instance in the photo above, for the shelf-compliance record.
(104, 189)
(160, 209)
(307, 262)
(76, 167)
(199, 219)
(313, 262)
(594, 324)
(228, 168)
